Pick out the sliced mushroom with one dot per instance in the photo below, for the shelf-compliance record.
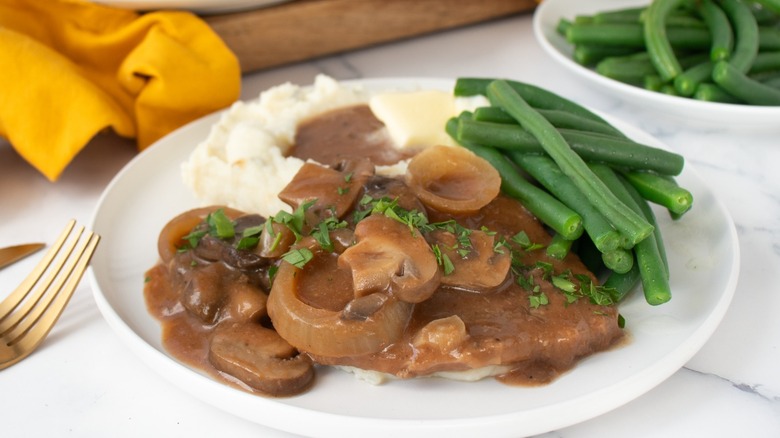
(203, 293)
(245, 303)
(260, 358)
(334, 189)
(391, 257)
(275, 240)
(452, 179)
(379, 187)
(477, 264)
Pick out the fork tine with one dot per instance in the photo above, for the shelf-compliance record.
(37, 324)
(17, 296)
(11, 320)
(35, 332)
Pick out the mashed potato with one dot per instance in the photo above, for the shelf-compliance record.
(243, 162)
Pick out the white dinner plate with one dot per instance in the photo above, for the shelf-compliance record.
(197, 6)
(702, 248)
(686, 111)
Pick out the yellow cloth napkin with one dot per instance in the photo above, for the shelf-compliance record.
(71, 68)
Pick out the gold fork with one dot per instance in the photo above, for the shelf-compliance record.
(30, 311)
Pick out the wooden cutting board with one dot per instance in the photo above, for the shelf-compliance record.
(305, 29)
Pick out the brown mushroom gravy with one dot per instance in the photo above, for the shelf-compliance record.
(370, 272)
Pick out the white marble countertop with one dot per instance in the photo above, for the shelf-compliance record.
(84, 382)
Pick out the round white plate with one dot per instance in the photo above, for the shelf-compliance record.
(197, 6)
(703, 252)
(683, 110)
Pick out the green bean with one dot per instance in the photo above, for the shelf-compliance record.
(544, 206)
(633, 69)
(684, 21)
(626, 15)
(653, 82)
(620, 284)
(544, 170)
(590, 146)
(661, 191)
(618, 260)
(768, 38)
(720, 29)
(563, 24)
(559, 247)
(744, 88)
(644, 207)
(772, 5)
(652, 266)
(669, 90)
(708, 92)
(537, 97)
(559, 119)
(745, 33)
(765, 61)
(656, 40)
(589, 54)
(628, 222)
(651, 260)
(632, 35)
(630, 69)
(772, 82)
(688, 81)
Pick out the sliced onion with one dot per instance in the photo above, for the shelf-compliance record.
(171, 236)
(324, 332)
(452, 179)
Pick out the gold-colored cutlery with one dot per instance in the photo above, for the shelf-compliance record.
(31, 310)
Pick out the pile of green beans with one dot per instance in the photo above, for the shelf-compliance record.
(724, 51)
(583, 178)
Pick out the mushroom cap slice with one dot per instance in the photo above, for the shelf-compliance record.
(260, 358)
(334, 189)
(477, 267)
(391, 257)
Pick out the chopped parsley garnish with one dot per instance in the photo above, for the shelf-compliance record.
(525, 243)
(298, 257)
(220, 225)
(537, 300)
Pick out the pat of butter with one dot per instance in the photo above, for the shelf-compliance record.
(415, 119)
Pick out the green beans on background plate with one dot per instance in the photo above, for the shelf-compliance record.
(571, 168)
(710, 50)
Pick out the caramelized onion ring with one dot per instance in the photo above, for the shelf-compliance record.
(325, 332)
(452, 179)
(170, 238)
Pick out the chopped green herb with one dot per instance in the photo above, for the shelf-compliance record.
(447, 264)
(538, 300)
(563, 283)
(272, 273)
(193, 239)
(220, 225)
(298, 257)
(322, 235)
